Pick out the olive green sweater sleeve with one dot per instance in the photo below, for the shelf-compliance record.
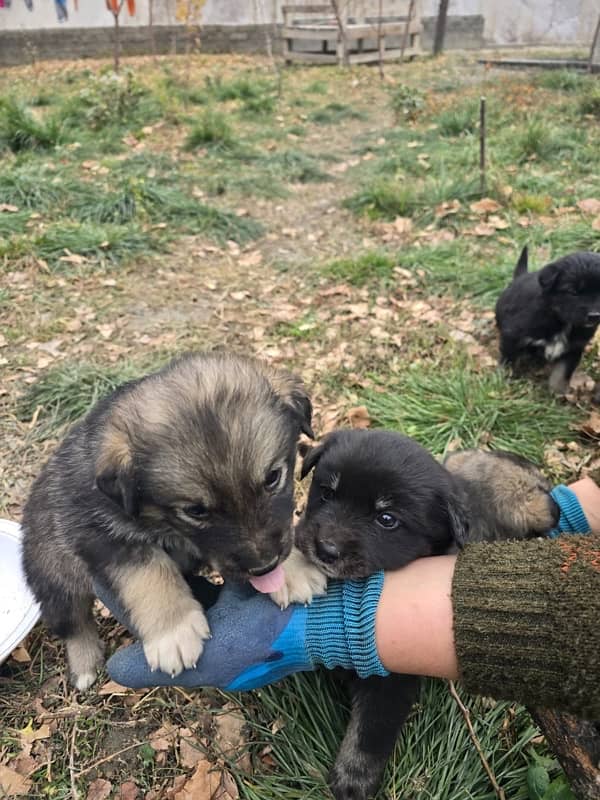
(527, 622)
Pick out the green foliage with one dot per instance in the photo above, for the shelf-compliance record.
(459, 119)
(359, 271)
(536, 203)
(294, 166)
(67, 392)
(334, 113)
(590, 101)
(385, 197)
(455, 404)
(21, 130)
(106, 100)
(211, 130)
(540, 140)
(243, 88)
(406, 102)
(566, 80)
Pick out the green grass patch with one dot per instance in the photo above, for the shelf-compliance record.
(67, 392)
(439, 404)
(458, 119)
(211, 129)
(294, 166)
(358, 271)
(334, 113)
(564, 80)
(590, 101)
(434, 757)
(21, 130)
(540, 140)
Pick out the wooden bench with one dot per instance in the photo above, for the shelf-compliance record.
(369, 38)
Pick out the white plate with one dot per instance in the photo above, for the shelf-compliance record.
(18, 609)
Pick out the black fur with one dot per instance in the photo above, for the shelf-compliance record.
(358, 477)
(550, 315)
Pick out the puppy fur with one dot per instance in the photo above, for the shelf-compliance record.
(187, 469)
(550, 315)
(378, 500)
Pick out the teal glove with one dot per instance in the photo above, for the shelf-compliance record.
(572, 518)
(255, 643)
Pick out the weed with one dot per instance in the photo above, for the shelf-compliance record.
(107, 100)
(534, 203)
(590, 101)
(211, 129)
(566, 80)
(242, 88)
(306, 328)
(294, 166)
(317, 87)
(385, 197)
(469, 408)
(359, 271)
(459, 119)
(406, 102)
(31, 185)
(20, 130)
(539, 140)
(334, 113)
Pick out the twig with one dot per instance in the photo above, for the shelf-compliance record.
(482, 135)
(465, 712)
(108, 758)
(406, 30)
(74, 792)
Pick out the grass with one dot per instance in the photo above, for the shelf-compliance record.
(335, 113)
(21, 130)
(211, 129)
(358, 271)
(434, 757)
(458, 120)
(455, 405)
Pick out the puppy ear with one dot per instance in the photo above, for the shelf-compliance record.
(521, 267)
(115, 471)
(292, 391)
(311, 459)
(548, 277)
(459, 519)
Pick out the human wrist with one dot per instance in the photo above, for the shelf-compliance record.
(572, 515)
(587, 493)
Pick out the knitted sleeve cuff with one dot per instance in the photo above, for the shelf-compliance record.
(572, 519)
(340, 626)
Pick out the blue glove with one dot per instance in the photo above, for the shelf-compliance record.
(255, 643)
(572, 519)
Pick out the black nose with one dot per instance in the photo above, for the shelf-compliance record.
(257, 571)
(327, 551)
(594, 316)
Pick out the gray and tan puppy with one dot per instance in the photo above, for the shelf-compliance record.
(187, 469)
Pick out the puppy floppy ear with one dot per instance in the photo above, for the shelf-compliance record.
(115, 471)
(292, 391)
(548, 277)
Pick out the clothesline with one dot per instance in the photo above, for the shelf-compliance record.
(62, 12)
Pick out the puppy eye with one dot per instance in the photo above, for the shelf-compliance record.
(197, 511)
(273, 479)
(387, 520)
(327, 493)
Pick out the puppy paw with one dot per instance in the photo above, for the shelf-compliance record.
(352, 783)
(85, 654)
(303, 581)
(180, 646)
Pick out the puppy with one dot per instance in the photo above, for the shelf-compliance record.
(187, 469)
(378, 500)
(551, 315)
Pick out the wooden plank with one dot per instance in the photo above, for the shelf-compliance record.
(314, 9)
(313, 58)
(311, 33)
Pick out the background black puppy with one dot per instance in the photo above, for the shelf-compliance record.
(551, 314)
(378, 500)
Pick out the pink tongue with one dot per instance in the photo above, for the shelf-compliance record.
(270, 582)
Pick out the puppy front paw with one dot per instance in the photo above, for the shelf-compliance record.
(179, 647)
(303, 581)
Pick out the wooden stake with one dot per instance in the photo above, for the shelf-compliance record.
(482, 179)
(411, 9)
(440, 28)
(593, 47)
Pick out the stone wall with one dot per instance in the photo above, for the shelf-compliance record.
(23, 46)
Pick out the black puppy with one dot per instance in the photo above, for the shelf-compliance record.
(551, 314)
(378, 500)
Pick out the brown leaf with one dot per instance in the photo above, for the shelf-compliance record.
(230, 737)
(189, 753)
(99, 789)
(485, 206)
(21, 655)
(227, 789)
(498, 223)
(202, 785)
(12, 784)
(591, 427)
(589, 205)
(128, 791)
(403, 225)
(596, 224)
(163, 738)
(483, 229)
(447, 207)
(31, 734)
(359, 418)
(112, 687)
(252, 259)
(8, 207)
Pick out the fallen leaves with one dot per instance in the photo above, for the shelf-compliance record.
(589, 206)
(485, 206)
(203, 784)
(359, 418)
(12, 784)
(99, 789)
(591, 426)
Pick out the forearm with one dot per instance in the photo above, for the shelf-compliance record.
(588, 494)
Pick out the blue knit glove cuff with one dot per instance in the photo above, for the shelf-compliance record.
(572, 519)
(340, 626)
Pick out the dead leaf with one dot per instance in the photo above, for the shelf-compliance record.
(591, 427)
(242, 295)
(359, 418)
(112, 687)
(252, 259)
(483, 229)
(403, 224)
(230, 726)
(485, 206)
(163, 738)
(202, 785)
(12, 784)
(20, 655)
(99, 789)
(25, 765)
(447, 207)
(498, 223)
(596, 224)
(128, 791)
(8, 207)
(30, 734)
(589, 205)
(227, 789)
(189, 754)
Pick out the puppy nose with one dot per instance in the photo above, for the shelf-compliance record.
(258, 571)
(327, 551)
(594, 316)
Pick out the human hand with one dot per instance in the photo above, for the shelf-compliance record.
(254, 642)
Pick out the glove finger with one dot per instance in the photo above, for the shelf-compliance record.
(128, 666)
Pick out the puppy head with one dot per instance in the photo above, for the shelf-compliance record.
(200, 456)
(572, 286)
(378, 500)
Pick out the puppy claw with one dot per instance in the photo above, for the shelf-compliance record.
(303, 581)
(180, 646)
